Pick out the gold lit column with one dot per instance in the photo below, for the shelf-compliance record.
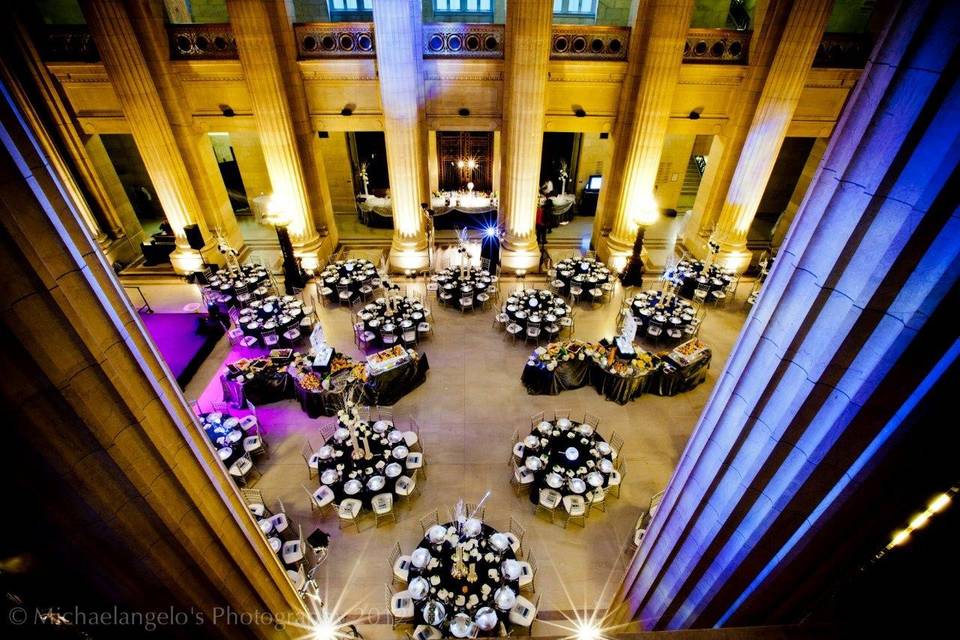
(399, 65)
(134, 85)
(778, 101)
(257, 25)
(637, 152)
(526, 60)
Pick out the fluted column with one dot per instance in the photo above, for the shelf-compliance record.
(526, 61)
(799, 191)
(768, 127)
(133, 82)
(769, 21)
(264, 34)
(833, 373)
(640, 144)
(400, 68)
(100, 429)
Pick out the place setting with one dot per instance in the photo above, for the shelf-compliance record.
(345, 280)
(464, 580)
(392, 318)
(661, 314)
(583, 278)
(464, 287)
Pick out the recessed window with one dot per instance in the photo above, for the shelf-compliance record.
(463, 6)
(349, 9)
(581, 8)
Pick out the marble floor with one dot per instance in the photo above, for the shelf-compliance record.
(468, 410)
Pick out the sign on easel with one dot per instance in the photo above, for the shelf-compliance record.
(627, 334)
(316, 337)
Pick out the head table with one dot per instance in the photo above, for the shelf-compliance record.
(464, 579)
(566, 456)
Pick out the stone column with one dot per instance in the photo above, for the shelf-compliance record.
(769, 22)
(768, 127)
(134, 83)
(639, 143)
(526, 60)
(264, 33)
(400, 68)
(799, 191)
(850, 336)
(101, 429)
(101, 216)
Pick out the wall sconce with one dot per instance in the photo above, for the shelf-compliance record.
(227, 111)
(348, 109)
(695, 114)
(464, 112)
(579, 112)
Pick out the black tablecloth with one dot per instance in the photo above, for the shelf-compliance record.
(694, 272)
(518, 308)
(668, 378)
(388, 387)
(271, 384)
(449, 281)
(375, 315)
(222, 286)
(362, 469)
(444, 553)
(558, 441)
(358, 273)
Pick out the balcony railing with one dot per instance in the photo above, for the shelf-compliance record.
(201, 42)
(462, 40)
(572, 42)
(335, 40)
(843, 51)
(68, 44)
(716, 46)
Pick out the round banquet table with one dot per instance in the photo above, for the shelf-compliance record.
(547, 453)
(593, 277)
(533, 304)
(273, 313)
(690, 273)
(487, 553)
(224, 432)
(407, 314)
(668, 310)
(222, 286)
(472, 283)
(363, 478)
(355, 274)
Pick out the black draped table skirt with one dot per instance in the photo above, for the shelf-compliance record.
(667, 379)
(386, 388)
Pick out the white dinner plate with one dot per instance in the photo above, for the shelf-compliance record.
(499, 541)
(393, 470)
(329, 476)
(420, 557)
(352, 487)
(418, 588)
(554, 481)
(394, 437)
(325, 451)
(436, 533)
(563, 423)
(225, 452)
(341, 434)
(375, 483)
(595, 479)
(231, 423)
(511, 569)
(400, 452)
(577, 485)
(603, 448)
(606, 465)
(544, 427)
(381, 425)
(531, 441)
(533, 463)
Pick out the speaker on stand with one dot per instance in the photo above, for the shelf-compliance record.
(195, 240)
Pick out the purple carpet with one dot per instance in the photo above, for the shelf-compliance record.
(184, 339)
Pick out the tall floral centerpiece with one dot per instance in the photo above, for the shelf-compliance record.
(364, 178)
(563, 177)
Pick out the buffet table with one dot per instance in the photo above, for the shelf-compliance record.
(561, 366)
(319, 389)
